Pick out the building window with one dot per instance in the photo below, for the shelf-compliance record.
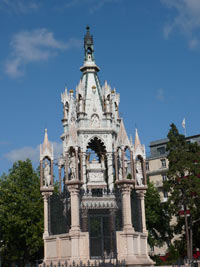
(147, 166)
(161, 150)
(163, 163)
(164, 177)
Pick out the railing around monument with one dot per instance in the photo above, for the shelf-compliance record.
(100, 215)
(59, 209)
(59, 213)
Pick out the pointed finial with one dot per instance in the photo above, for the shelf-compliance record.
(46, 137)
(88, 28)
(131, 139)
(137, 139)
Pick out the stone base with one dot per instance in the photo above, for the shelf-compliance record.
(132, 247)
(73, 246)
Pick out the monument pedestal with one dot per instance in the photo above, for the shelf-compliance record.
(131, 245)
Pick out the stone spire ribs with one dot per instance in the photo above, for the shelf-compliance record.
(122, 138)
(139, 150)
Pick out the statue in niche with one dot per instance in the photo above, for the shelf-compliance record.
(66, 110)
(139, 173)
(95, 120)
(120, 164)
(107, 104)
(47, 175)
(72, 166)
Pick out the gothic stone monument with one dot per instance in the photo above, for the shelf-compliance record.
(99, 211)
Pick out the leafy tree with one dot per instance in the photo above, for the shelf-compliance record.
(157, 219)
(21, 214)
(183, 185)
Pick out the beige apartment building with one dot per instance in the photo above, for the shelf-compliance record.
(156, 169)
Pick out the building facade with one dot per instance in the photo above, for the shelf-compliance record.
(95, 215)
(156, 170)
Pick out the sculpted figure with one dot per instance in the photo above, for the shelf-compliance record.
(66, 110)
(81, 105)
(47, 175)
(139, 173)
(72, 165)
(95, 121)
(107, 105)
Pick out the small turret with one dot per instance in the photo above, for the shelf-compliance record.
(88, 45)
(46, 149)
(89, 62)
(46, 159)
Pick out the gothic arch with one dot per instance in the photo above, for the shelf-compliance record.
(96, 147)
(102, 141)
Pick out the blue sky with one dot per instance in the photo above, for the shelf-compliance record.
(149, 50)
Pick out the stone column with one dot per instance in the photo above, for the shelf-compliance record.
(116, 167)
(84, 171)
(46, 196)
(75, 233)
(51, 172)
(110, 170)
(140, 195)
(132, 166)
(123, 164)
(134, 171)
(60, 186)
(41, 173)
(66, 167)
(126, 205)
(76, 155)
(81, 165)
(74, 189)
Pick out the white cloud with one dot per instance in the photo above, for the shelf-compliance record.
(19, 6)
(160, 95)
(186, 20)
(100, 4)
(33, 46)
(94, 5)
(193, 43)
(31, 153)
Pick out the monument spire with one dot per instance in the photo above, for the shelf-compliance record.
(88, 45)
(89, 62)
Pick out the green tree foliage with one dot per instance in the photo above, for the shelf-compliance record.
(21, 214)
(157, 218)
(183, 184)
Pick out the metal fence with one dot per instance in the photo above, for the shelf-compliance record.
(95, 263)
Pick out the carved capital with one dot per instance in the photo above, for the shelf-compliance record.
(141, 194)
(125, 185)
(46, 195)
(74, 186)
